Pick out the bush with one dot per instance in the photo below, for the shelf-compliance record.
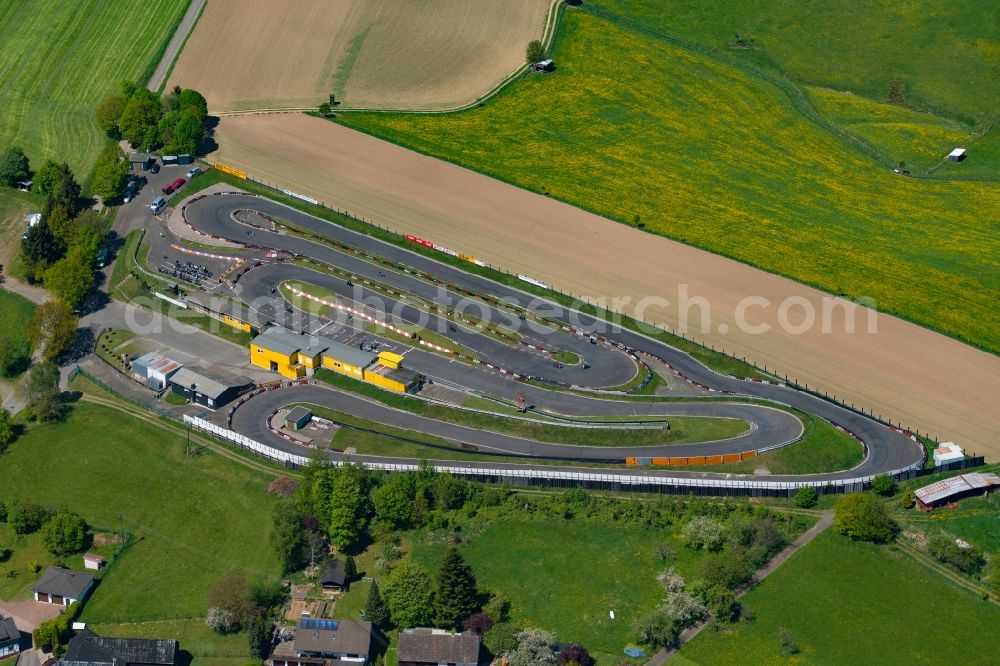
(26, 517)
(884, 485)
(535, 52)
(500, 638)
(703, 532)
(64, 533)
(805, 497)
(220, 620)
(862, 517)
(787, 640)
(907, 500)
(946, 550)
(657, 628)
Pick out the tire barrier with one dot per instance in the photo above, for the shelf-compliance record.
(353, 312)
(208, 255)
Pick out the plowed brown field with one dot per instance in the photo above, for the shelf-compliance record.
(261, 54)
(908, 373)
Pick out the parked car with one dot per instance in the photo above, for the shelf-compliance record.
(174, 186)
(193, 172)
(159, 203)
(155, 168)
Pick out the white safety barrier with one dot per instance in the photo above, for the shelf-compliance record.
(352, 311)
(179, 304)
(301, 196)
(652, 479)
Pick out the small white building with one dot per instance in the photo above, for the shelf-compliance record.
(94, 562)
(957, 155)
(947, 452)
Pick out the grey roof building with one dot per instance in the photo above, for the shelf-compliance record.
(206, 387)
(334, 577)
(422, 647)
(89, 649)
(322, 642)
(62, 586)
(10, 637)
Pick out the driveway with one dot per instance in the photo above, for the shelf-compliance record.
(29, 614)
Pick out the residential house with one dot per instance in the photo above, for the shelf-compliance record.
(437, 647)
(10, 637)
(320, 642)
(62, 586)
(88, 649)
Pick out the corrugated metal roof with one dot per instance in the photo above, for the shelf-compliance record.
(956, 485)
(205, 382)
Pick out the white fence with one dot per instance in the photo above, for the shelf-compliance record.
(529, 475)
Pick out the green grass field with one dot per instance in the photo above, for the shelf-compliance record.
(194, 518)
(641, 126)
(15, 313)
(60, 58)
(854, 603)
(977, 520)
(566, 576)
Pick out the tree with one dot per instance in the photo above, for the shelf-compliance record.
(703, 532)
(805, 497)
(288, 537)
(671, 580)
(498, 607)
(7, 432)
(534, 648)
(52, 328)
(394, 500)
(13, 166)
(220, 620)
(478, 623)
(141, 113)
(64, 533)
(656, 628)
(409, 596)
(348, 504)
(350, 569)
(883, 485)
(685, 609)
(72, 277)
(57, 183)
(194, 103)
(376, 611)
(456, 591)
(535, 52)
(40, 390)
(25, 516)
(324, 108)
(449, 491)
(862, 517)
(259, 635)
(907, 499)
(110, 174)
(729, 569)
(60, 223)
(500, 638)
(39, 246)
(576, 654)
(47, 178)
(234, 594)
(108, 113)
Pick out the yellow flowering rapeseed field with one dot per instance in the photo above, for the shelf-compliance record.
(641, 130)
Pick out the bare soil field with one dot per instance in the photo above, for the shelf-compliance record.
(259, 54)
(910, 374)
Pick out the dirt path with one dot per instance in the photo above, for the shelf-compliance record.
(907, 373)
(174, 47)
(825, 520)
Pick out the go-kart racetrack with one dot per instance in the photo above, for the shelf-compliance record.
(887, 449)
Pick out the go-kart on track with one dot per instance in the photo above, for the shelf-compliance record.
(887, 449)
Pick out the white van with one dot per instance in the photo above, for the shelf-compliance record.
(159, 203)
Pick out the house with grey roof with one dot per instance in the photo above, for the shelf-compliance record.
(88, 649)
(322, 642)
(10, 637)
(62, 586)
(432, 647)
(210, 388)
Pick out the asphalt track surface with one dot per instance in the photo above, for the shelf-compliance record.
(887, 448)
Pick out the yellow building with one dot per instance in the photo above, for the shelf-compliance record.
(294, 356)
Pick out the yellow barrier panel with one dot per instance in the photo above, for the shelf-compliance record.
(230, 170)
